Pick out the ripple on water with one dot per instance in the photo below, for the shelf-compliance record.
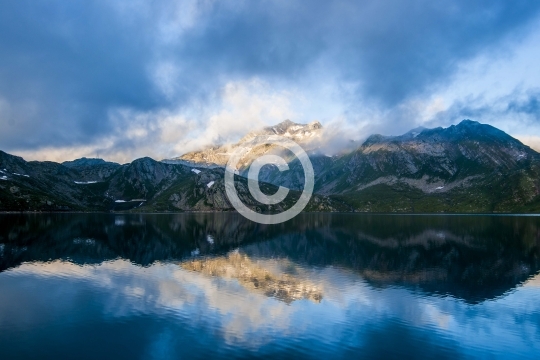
(335, 289)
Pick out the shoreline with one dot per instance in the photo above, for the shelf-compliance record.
(303, 212)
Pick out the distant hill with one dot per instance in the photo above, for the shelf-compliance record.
(469, 167)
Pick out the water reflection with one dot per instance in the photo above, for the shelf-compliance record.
(321, 285)
(471, 257)
(256, 278)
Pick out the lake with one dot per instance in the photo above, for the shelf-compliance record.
(168, 286)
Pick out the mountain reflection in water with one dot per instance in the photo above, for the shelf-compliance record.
(254, 277)
(320, 285)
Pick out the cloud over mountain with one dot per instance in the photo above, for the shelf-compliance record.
(112, 76)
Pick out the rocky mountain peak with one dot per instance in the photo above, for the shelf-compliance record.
(287, 128)
(85, 162)
(466, 130)
(219, 155)
(374, 139)
(283, 126)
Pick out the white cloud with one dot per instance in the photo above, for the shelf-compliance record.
(239, 107)
(166, 78)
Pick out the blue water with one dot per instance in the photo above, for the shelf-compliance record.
(116, 286)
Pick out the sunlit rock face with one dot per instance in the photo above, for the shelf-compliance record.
(218, 155)
(255, 278)
(310, 136)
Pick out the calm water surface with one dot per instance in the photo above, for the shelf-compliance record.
(319, 286)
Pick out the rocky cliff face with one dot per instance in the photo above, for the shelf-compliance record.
(217, 156)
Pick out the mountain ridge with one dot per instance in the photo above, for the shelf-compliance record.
(468, 167)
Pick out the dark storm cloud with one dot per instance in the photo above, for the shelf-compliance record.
(392, 49)
(519, 108)
(64, 65)
(529, 105)
(422, 43)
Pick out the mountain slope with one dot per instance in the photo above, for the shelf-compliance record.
(92, 169)
(217, 156)
(143, 185)
(38, 185)
(466, 167)
(469, 167)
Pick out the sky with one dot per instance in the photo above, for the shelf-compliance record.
(127, 79)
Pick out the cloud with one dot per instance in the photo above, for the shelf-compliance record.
(520, 106)
(530, 105)
(80, 75)
(239, 107)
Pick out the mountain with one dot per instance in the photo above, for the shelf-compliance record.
(88, 163)
(217, 156)
(143, 185)
(43, 185)
(469, 167)
(465, 167)
(92, 169)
